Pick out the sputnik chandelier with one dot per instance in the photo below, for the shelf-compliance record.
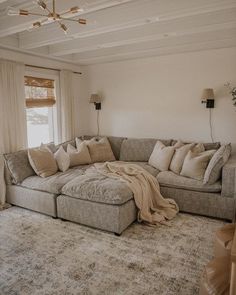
(51, 16)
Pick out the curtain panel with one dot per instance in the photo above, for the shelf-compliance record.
(13, 126)
(66, 106)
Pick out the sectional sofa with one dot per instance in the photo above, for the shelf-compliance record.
(83, 196)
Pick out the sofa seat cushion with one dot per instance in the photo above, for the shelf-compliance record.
(95, 187)
(139, 149)
(170, 179)
(147, 167)
(54, 183)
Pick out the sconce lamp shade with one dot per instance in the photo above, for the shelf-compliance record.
(95, 98)
(208, 93)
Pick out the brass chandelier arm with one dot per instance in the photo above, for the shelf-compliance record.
(80, 20)
(75, 9)
(38, 14)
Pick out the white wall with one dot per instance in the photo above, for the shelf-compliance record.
(161, 96)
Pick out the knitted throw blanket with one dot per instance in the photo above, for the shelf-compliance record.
(152, 207)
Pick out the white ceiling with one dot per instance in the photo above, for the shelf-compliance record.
(122, 29)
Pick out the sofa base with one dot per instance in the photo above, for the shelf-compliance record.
(112, 218)
(207, 204)
(31, 199)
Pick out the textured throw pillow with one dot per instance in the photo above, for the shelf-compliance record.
(195, 164)
(100, 150)
(42, 161)
(179, 156)
(62, 158)
(79, 156)
(161, 156)
(213, 171)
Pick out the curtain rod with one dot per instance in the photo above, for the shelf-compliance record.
(52, 69)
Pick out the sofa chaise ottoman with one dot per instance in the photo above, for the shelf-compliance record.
(84, 196)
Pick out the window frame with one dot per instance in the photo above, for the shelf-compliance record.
(53, 110)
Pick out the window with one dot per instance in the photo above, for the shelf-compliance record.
(40, 103)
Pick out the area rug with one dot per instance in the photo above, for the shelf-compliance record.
(41, 255)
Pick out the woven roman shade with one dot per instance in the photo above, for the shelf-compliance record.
(39, 92)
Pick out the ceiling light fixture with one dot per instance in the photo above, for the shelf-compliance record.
(52, 15)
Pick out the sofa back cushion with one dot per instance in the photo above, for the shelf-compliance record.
(19, 166)
(138, 149)
(64, 145)
(207, 146)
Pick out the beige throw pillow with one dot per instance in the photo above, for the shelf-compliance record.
(100, 150)
(62, 158)
(181, 150)
(195, 164)
(213, 171)
(42, 161)
(179, 156)
(79, 156)
(161, 156)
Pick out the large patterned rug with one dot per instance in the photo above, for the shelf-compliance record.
(40, 255)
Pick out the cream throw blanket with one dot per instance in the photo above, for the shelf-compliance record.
(153, 208)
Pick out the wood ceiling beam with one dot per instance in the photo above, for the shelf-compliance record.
(134, 14)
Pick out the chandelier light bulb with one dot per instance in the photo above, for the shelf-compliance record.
(12, 11)
(64, 28)
(42, 4)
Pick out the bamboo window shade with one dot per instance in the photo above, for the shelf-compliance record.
(39, 92)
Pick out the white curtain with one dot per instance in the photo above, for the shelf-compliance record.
(13, 128)
(66, 106)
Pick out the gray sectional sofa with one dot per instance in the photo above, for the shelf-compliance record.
(81, 195)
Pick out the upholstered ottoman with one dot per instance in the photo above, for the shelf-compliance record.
(97, 201)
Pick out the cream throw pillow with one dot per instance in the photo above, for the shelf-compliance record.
(161, 156)
(79, 156)
(195, 164)
(42, 161)
(62, 158)
(181, 151)
(213, 171)
(179, 156)
(100, 150)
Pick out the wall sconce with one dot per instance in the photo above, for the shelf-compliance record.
(208, 98)
(96, 99)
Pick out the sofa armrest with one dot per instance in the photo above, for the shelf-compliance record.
(229, 178)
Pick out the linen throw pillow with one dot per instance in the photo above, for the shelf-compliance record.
(100, 150)
(42, 162)
(62, 158)
(79, 156)
(179, 156)
(195, 164)
(213, 171)
(161, 156)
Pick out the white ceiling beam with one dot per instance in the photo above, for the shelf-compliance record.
(209, 45)
(14, 24)
(193, 39)
(186, 25)
(133, 14)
